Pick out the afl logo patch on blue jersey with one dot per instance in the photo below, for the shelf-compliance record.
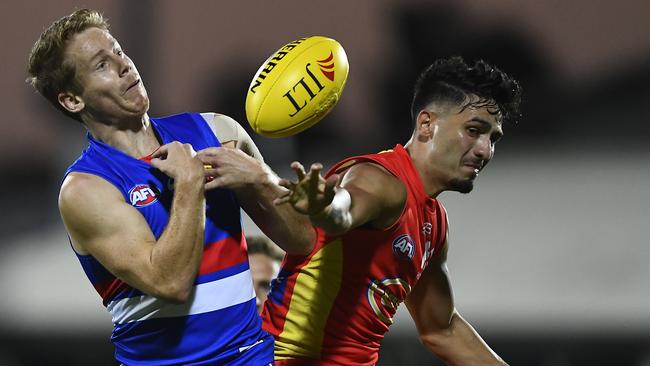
(142, 195)
(404, 247)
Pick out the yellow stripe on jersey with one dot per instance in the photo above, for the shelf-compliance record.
(315, 290)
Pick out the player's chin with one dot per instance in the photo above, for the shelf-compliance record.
(138, 107)
(462, 185)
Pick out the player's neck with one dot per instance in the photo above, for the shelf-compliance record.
(134, 138)
(432, 186)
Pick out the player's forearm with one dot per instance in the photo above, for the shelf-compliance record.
(461, 345)
(335, 218)
(292, 231)
(176, 256)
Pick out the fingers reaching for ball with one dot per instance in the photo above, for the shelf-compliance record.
(310, 193)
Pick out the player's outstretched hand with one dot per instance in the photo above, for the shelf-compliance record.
(311, 193)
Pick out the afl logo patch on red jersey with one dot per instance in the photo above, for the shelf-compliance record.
(142, 195)
(404, 247)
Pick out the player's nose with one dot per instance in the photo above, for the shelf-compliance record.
(483, 148)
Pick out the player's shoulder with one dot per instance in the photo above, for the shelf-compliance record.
(82, 190)
(229, 131)
(376, 179)
(219, 119)
(224, 127)
(369, 170)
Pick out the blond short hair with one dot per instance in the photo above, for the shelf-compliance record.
(49, 72)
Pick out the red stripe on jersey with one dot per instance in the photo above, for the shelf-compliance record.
(108, 290)
(223, 254)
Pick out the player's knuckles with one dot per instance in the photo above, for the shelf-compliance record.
(209, 151)
(211, 185)
(174, 145)
(218, 182)
(189, 149)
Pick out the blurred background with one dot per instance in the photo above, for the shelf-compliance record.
(549, 255)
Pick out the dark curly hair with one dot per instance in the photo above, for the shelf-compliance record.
(452, 80)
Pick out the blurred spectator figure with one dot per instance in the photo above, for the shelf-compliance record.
(264, 258)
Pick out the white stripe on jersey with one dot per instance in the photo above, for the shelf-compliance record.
(229, 291)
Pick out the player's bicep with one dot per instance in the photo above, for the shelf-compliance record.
(103, 225)
(377, 197)
(246, 144)
(431, 302)
(365, 206)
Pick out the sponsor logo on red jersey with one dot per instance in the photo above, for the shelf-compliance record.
(385, 296)
(142, 195)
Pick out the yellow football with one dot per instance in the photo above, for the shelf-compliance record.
(297, 86)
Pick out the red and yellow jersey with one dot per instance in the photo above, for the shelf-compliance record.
(334, 306)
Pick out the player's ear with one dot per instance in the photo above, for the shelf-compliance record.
(424, 124)
(72, 103)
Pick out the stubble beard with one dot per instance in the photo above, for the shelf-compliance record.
(461, 185)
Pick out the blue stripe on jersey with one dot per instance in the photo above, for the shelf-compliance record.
(216, 201)
(194, 339)
(100, 276)
(131, 292)
(209, 277)
(95, 272)
(213, 235)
